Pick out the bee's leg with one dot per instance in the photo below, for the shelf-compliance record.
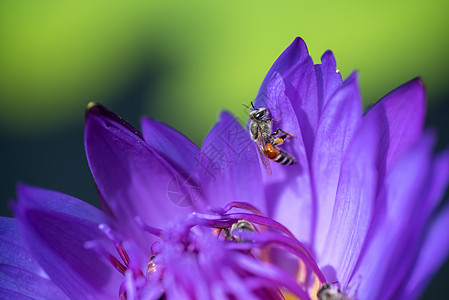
(284, 136)
(288, 135)
(272, 120)
(276, 132)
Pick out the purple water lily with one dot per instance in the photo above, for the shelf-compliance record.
(357, 217)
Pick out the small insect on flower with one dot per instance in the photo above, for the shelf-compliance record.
(267, 140)
(236, 228)
(330, 291)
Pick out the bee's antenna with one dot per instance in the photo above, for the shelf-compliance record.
(253, 105)
(246, 106)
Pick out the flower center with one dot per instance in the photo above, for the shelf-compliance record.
(243, 243)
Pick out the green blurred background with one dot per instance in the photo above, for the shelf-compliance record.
(182, 62)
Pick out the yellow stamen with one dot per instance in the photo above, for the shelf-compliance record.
(315, 287)
(301, 275)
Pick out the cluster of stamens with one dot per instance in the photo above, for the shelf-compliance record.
(246, 232)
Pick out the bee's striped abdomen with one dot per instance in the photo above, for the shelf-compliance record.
(284, 158)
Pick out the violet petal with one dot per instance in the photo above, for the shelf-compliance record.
(57, 242)
(437, 182)
(328, 78)
(12, 248)
(432, 189)
(44, 199)
(400, 115)
(353, 204)
(133, 178)
(289, 191)
(21, 283)
(20, 275)
(393, 242)
(301, 89)
(296, 68)
(296, 53)
(171, 145)
(434, 251)
(338, 123)
(229, 165)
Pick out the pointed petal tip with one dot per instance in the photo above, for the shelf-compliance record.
(18, 211)
(22, 187)
(417, 80)
(298, 44)
(225, 115)
(354, 76)
(328, 54)
(25, 192)
(13, 207)
(95, 109)
(21, 190)
(297, 41)
(413, 91)
(19, 186)
(148, 121)
(415, 83)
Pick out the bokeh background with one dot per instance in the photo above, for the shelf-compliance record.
(183, 62)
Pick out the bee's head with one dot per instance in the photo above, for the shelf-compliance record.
(258, 113)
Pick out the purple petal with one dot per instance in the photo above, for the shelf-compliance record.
(394, 239)
(295, 54)
(20, 275)
(229, 165)
(8, 294)
(433, 187)
(408, 179)
(17, 283)
(328, 78)
(353, 204)
(289, 190)
(296, 67)
(133, 178)
(338, 123)
(57, 242)
(301, 89)
(438, 180)
(400, 115)
(12, 250)
(171, 145)
(44, 199)
(434, 251)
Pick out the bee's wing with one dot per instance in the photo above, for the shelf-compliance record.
(266, 162)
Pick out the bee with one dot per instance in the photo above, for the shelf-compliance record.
(330, 292)
(239, 226)
(267, 141)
